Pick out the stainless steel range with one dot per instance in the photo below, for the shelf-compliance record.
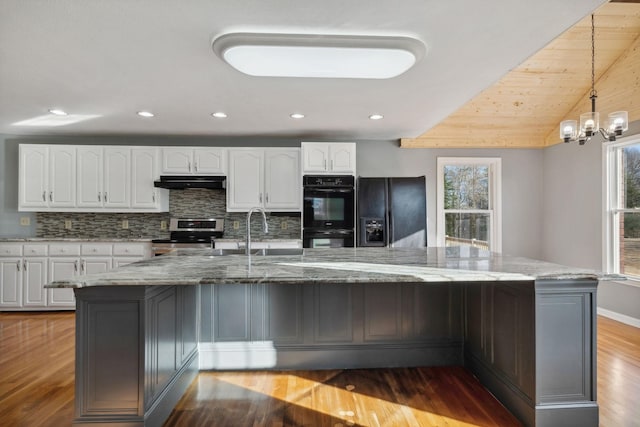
(189, 233)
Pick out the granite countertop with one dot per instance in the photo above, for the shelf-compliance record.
(73, 239)
(343, 265)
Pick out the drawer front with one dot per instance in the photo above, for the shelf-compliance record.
(8, 249)
(64, 249)
(89, 249)
(129, 249)
(36, 250)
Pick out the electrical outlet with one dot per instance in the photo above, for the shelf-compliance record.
(125, 224)
(236, 225)
(67, 224)
(25, 220)
(163, 225)
(284, 225)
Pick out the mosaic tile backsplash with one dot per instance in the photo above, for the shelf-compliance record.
(195, 202)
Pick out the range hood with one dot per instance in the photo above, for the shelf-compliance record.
(190, 181)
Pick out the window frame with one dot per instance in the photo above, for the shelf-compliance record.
(495, 198)
(612, 167)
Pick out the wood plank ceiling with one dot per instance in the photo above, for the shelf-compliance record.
(524, 109)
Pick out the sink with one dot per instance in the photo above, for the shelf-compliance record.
(258, 252)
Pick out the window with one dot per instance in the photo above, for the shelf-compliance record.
(622, 203)
(469, 202)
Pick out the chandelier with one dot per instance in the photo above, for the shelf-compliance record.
(590, 122)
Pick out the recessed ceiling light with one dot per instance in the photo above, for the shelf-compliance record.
(58, 112)
(145, 114)
(219, 115)
(376, 116)
(319, 55)
(297, 116)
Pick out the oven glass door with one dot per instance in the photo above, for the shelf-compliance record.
(328, 208)
(327, 239)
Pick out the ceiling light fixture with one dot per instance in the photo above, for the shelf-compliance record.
(145, 114)
(219, 115)
(590, 122)
(58, 112)
(376, 116)
(318, 55)
(296, 116)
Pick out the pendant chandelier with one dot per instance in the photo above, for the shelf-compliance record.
(590, 122)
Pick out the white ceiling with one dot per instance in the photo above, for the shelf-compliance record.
(114, 58)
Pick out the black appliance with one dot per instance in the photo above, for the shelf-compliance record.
(189, 233)
(328, 211)
(392, 212)
(179, 182)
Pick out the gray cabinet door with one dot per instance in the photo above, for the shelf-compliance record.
(333, 313)
(283, 307)
(231, 312)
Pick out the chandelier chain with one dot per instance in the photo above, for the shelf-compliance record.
(593, 57)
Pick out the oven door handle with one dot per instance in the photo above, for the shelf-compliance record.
(328, 190)
(329, 233)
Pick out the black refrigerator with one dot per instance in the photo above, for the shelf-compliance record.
(391, 212)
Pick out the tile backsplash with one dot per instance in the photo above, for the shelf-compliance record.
(194, 202)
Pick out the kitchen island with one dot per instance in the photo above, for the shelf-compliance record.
(526, 328)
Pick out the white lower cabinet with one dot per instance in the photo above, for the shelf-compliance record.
(25, 269)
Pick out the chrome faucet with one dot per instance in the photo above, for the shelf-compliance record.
(265, 227)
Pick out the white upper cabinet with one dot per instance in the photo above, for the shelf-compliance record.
(90, 179)
(329, 158)
(90, 173)
(47, 177)
(33, 191)
(193, 161)
(282, 180)
(267, 178)
(245, 188)
(144, 171)
(62, 176)
(117, 177)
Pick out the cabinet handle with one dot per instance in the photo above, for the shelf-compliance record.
(153, 197)
(51, 196)
(260, 197)
(83, 266)
(324, 164)
(18, 265)
(75, 266)
(44, 196)
(105, 196)
(24, 265)
(266, 197)
(99, 197)
(331, 164)
(189, 165)
(195, 166)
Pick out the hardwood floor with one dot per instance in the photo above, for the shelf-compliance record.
(36, 387)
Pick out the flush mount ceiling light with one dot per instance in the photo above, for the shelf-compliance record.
(58, 112)
(219, 115)
(320, 56)
(376, 116)
(590, 122)
(297, 116)
(145, 114)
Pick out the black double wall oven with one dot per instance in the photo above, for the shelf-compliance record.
(328, 211)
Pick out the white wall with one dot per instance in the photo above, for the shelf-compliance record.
(9, 215)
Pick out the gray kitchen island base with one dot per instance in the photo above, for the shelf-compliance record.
(532, 343)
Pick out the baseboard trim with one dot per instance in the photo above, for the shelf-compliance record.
(622, 318)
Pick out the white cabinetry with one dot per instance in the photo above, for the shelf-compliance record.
(23, 276)
(47, 177)
(193, 161)
(25, 268)
(329, 157)
(90, 179)
(267, 178)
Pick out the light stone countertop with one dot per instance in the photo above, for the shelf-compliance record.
(72, 239)
(340, 265)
